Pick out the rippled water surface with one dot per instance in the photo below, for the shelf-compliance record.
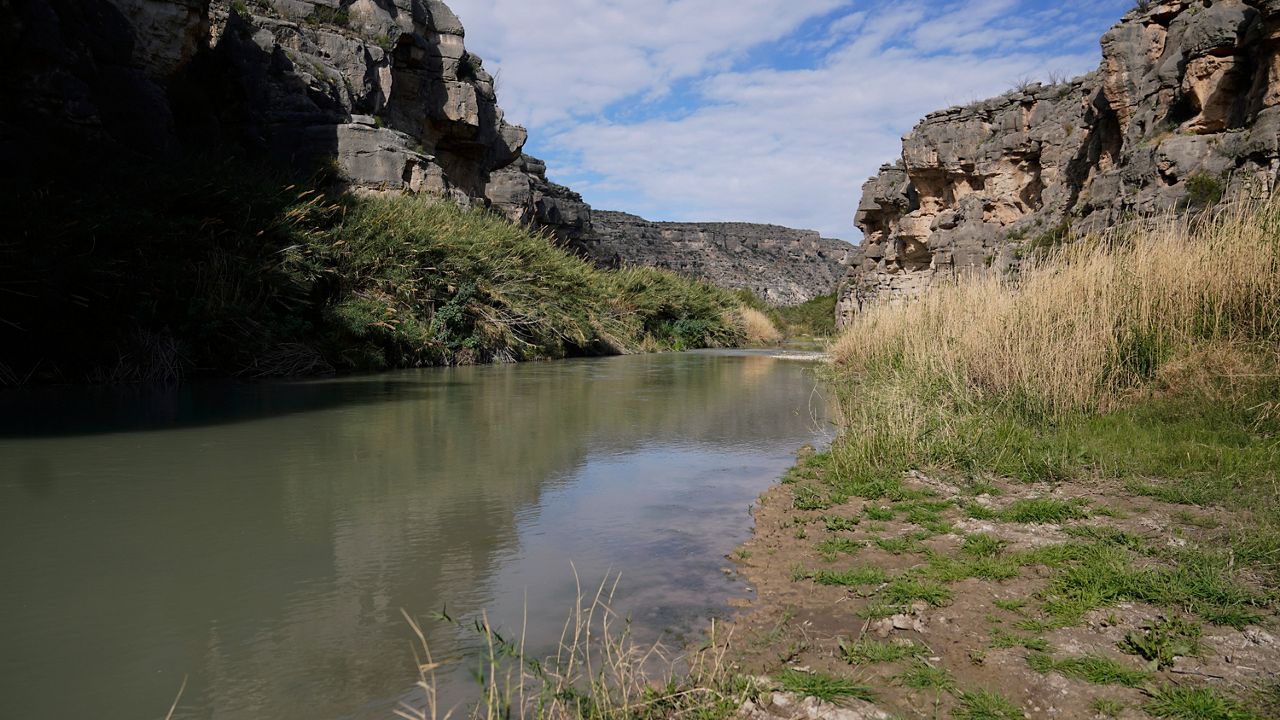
(261, 540)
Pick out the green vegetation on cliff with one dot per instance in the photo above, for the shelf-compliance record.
(227, 269)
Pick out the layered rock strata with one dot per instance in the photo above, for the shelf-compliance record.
(781, 265)
(1184, 108)
(522, 192)
(385, 88)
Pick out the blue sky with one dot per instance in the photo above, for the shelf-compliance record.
(756, 110)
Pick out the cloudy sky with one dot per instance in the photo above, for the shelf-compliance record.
(756, 110)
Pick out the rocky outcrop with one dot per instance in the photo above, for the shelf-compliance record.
(781, 265)
(385, 88)
(1184, 108)
(522, 192)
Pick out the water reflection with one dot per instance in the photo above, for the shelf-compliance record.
(262, 539)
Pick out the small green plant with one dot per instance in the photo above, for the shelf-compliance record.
(898, 545)
(240, 9)
(325, 15)
(1106, 707)
(923, 676)
(1203, 191)
(870, 651)
(833, 547)
(1162, 642)
(906, 590)
(880, 514)
(868, 575)
(1043, 511)
(825, 687)
(1012, 605)
(985, 705)
(838, 523)
(1051, 238)
(983, 545)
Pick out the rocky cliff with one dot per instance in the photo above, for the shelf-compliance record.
(384, 87)
(1184, 108)
(781, 265)
(522, 192)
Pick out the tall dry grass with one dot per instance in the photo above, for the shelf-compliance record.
(1082, 328)
(757, 328)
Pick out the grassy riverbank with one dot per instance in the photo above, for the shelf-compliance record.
(228, 268)
(1066, 484)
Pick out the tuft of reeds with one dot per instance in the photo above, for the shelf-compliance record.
(599, 671)
(757, 328)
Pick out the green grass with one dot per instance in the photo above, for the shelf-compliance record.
(983, 545)
(838, 523)
(898, 545)
(985, 705)
(949, 569)
(1107, 707)
(230, 268)
(1010, 605)
(1185, 703)
(825, 687)
(832, 548)
(809, 498)
(1202, 582)
(868, 575)
(1042, 511)
(923, 676)
(1091, 668)
(905, 590)
(1004, 640)
(872, 651)
(879, 514)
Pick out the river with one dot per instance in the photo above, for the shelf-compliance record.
(260, 540)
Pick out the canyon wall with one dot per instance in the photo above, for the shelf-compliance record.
(1184, 109)
(385, 88)
(781, 265)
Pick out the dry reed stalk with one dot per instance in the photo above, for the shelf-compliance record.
(598, 671)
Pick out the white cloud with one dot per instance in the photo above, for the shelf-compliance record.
(760, 144)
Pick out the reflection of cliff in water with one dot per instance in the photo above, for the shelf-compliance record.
(268, 553)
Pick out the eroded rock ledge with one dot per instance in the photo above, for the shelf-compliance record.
(1182, 110)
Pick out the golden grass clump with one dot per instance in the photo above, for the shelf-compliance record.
(1082, 328)
(757, 328)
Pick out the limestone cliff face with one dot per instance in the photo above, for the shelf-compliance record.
(1185, 107)
(781, 265)
(384, 87)
(522, 192)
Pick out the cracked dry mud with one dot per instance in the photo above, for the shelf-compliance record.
(944, 656)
